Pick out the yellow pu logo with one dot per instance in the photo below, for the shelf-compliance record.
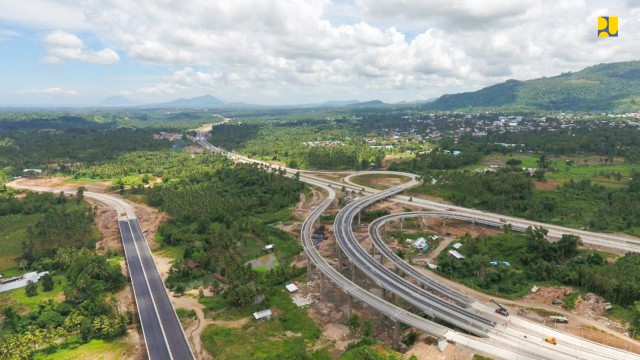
(607, 26)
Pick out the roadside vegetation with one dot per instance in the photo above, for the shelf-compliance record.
(74, 303)
(531, 259)
(511, 191)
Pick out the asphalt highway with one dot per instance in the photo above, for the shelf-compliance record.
(162, 331)
(429, 303)
(510, 343)
(528, 334)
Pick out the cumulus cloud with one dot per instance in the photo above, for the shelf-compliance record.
(62, 46)
(387, 49)
(461, 12)
(47, 91)
(46, 14)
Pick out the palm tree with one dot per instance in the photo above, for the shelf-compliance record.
(23, 264)
(101, 324)
(73, 321)
(49, 338)
(7, 346)
(33, 336)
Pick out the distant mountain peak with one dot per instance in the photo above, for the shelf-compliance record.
(603, 87)
(204, 101)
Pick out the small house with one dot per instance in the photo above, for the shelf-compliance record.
(456, 254)
(291, 288)
(457, 245)
(263, 315)
(268, 248)
(418, 244)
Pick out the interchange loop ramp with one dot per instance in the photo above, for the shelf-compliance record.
(429, 303)
(504, 345)
(384, 307)
(427, 282)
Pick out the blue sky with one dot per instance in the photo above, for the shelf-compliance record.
(65, 52)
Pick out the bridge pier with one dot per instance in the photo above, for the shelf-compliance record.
(396, 335)
(401, 223)
(373, 250)
(308, 267)
(349, 306)
(359, 213)
(353, 272)
(321, 284)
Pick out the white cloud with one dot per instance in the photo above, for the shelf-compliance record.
(45, 14)
(470, 11)
(62, 46)
(47, 91)
(6, 35)
(288, 49)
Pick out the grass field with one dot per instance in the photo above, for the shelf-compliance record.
(19, 297)
(128, 180)
(14, 232)
(94, 349)
(583, 167)
(265, 339)
(379, 181)
(171, 252)
(287, 247)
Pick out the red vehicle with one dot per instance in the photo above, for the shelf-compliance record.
(501, 309)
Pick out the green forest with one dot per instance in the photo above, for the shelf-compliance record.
(62, 242)
(61, 149)
(291, 143)
(220, 217)
(603, 87)
(511, 191)
(535, 260)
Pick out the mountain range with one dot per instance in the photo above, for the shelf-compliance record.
(603, 87)
(212, 102)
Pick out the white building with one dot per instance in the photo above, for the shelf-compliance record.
(262, 315)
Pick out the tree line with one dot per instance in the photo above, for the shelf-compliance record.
(211, 217)
(533, 258)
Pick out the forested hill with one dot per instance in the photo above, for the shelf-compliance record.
(604, 87)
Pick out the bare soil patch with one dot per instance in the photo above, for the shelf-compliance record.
(58, 182)
(150, 220)
(427, 348)
(107, 223)
(388, 159)
(546, 185)
(195, 328)
(193, 149)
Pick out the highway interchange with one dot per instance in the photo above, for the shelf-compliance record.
(520, 339)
